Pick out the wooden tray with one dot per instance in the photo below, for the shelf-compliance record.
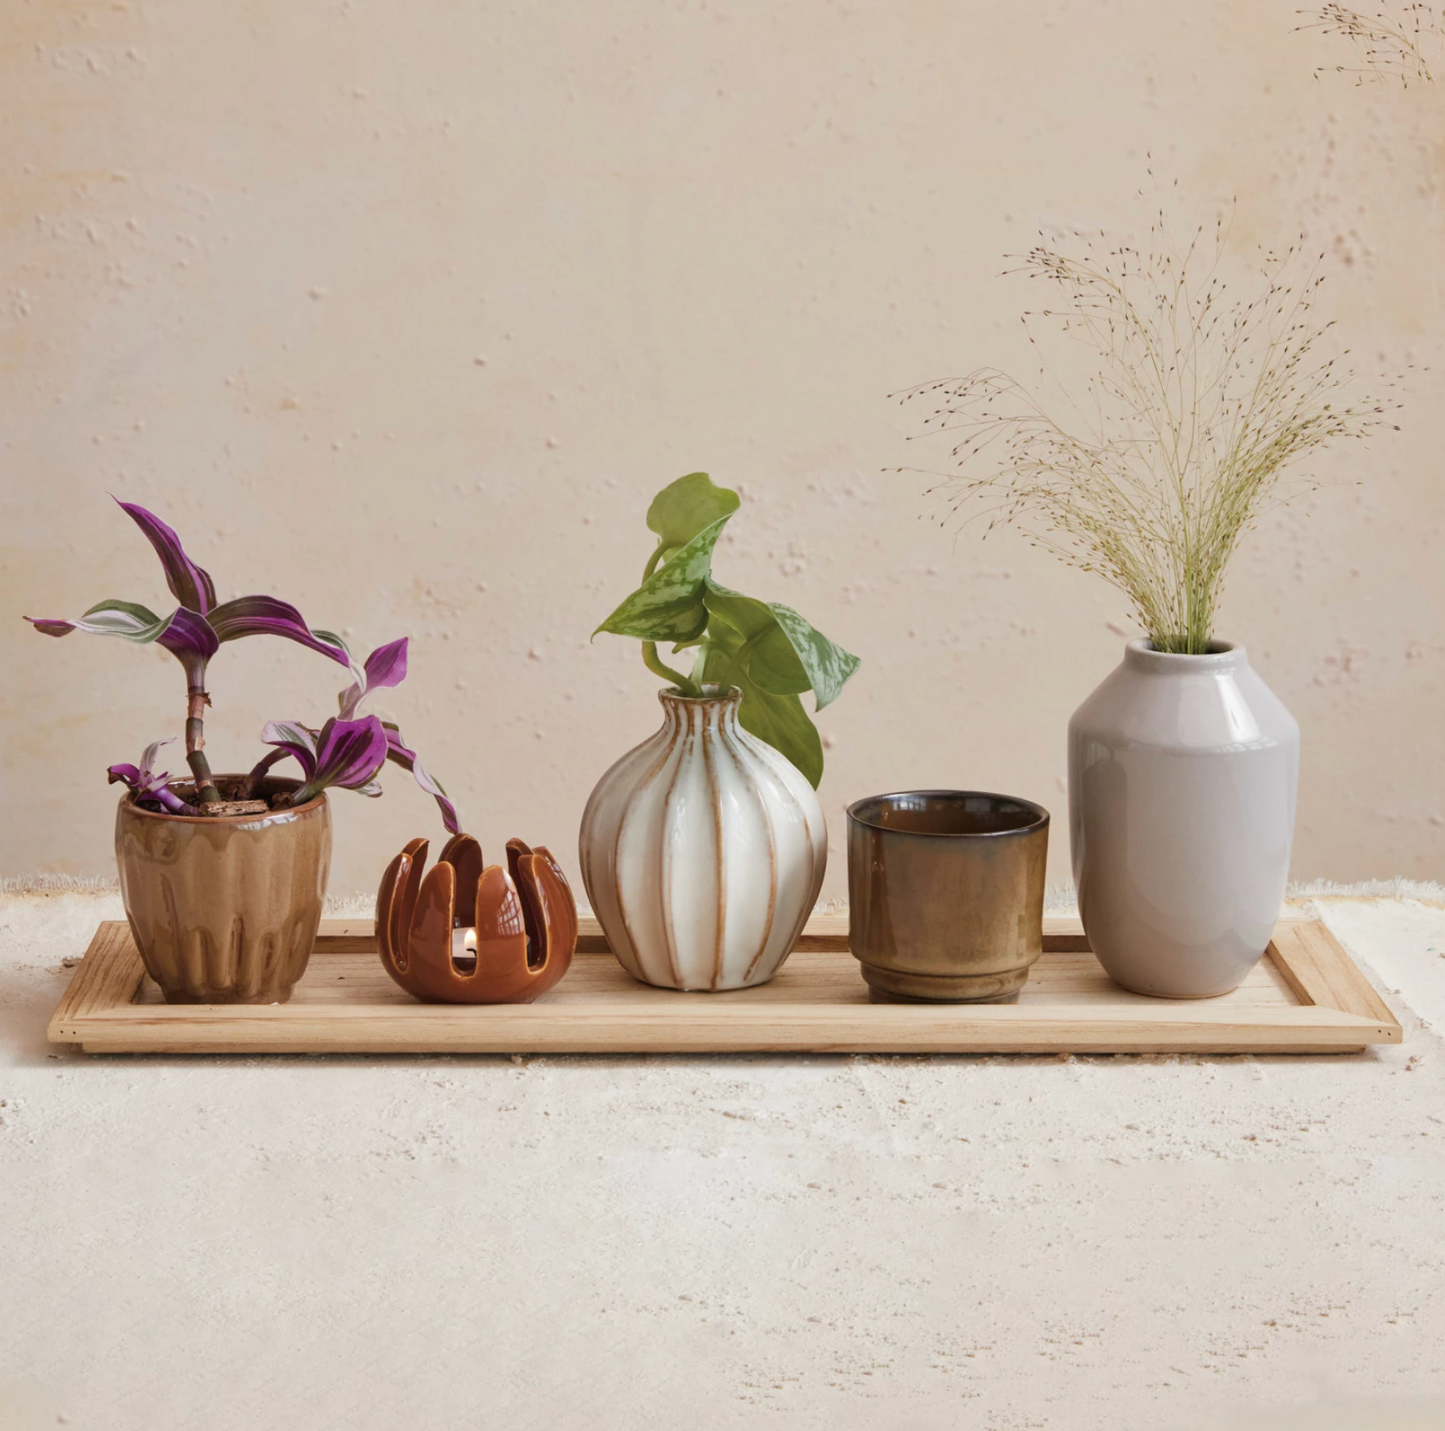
(1305, 996)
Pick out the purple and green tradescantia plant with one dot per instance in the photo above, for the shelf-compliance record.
(347, 752)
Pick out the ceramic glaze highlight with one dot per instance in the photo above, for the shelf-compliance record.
(703, 851)
(224, 910)
(1182, 779)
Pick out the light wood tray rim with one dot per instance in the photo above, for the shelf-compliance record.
(1334, 1009)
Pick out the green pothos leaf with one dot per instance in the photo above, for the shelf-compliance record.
(764, 650)
(668, 606)
(783, 652)
(828, 665)
(685, 507)
(776, 719)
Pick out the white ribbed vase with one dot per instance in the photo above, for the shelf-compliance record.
(703, 851)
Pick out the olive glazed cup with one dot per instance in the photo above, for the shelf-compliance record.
(224, 909)
(946, 893)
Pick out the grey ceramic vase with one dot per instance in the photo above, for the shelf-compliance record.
(1182, 779)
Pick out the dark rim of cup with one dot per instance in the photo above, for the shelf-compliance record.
(861, 810)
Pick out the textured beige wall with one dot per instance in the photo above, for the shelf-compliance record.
(404, 311)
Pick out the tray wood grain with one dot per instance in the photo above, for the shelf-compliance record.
(1305, 996)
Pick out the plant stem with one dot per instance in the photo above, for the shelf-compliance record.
(196, 703)
(248, 787)
(739, 656)
(172, 803)
(654, 663)
(650, 658)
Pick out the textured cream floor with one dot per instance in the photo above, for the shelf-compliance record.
(1130, 1244)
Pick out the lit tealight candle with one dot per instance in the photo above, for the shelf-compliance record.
(464, 949)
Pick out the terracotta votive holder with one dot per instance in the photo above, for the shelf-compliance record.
(469, 933)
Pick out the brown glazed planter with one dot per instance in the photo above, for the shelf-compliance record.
(224, 910)
(946, 893)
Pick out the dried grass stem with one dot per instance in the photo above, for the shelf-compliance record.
(1195, 408)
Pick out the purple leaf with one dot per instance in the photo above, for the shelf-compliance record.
(144, 781)
(148, 762)
(295, 738)
(191, 586)
(126, 619)
(270, 616)
(191, 641)
(386, 666)
(183, 633)
(348, 754)
(407, 759)
(332, 639)
(149, 787)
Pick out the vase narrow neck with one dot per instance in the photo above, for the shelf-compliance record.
(1221, 656)
(712, 713)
